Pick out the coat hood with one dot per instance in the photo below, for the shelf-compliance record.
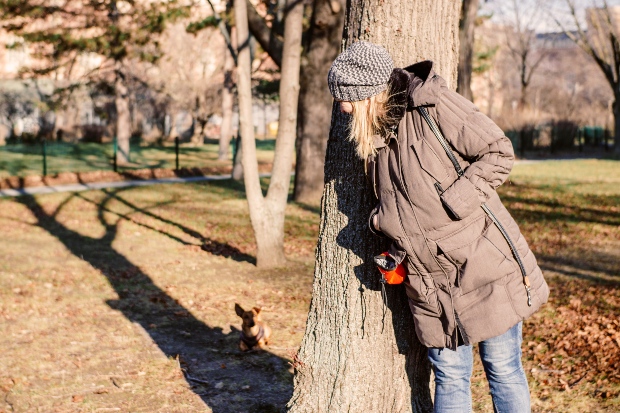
(415, 85)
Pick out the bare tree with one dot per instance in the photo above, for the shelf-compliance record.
(322, 42)
(356, 355)
(226, 131)
(190, 74)
(267, 212)
(469, 10)
(601, 41)
(521, 42)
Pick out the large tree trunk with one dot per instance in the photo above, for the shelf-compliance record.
(466, 47)
(227, 102)
(267, 213)
(315, 100)
(123, 118)
(354, 357)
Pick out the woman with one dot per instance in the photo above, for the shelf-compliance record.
(471, 275)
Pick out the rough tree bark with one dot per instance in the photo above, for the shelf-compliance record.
(466, 47)
(323, 45)
(354, 357)
(226, 132)
(267, 213)
(123, 118)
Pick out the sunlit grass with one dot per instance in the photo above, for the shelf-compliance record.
(23, 160)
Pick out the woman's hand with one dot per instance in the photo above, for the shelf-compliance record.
(375, 222)
(346, 107)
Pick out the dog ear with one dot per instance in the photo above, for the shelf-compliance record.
(257, 309)
(239, 310)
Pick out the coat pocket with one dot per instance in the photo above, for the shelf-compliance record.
(474, 251)
(429, 160)
(421, 291)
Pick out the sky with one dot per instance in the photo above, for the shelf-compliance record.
(542, 13)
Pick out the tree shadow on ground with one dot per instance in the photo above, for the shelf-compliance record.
(315, 209)
(207, 244)
(579, 209)
(598, 262)
(201, 350)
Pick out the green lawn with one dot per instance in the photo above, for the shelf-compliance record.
(101, 290)
(23, 160)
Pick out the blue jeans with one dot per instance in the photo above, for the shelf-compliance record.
(501, 358)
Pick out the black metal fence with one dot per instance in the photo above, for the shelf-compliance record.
(560, 136)
(52, 157)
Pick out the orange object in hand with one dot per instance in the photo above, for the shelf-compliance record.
(390, 276)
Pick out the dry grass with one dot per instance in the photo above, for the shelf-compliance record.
(569, 212)
(101, 291)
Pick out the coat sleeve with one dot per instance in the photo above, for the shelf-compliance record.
(481, 142)
(395, 251)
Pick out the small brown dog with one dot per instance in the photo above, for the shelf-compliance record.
(254, 333)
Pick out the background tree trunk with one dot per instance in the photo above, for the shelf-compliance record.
(226, 132)
(616, 110)
(315, 100)
(174, 117)
(267, 213)
(123, 118)
(355, 358)
(469, 11)
(237, 172)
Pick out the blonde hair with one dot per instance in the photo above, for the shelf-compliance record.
(370, 117)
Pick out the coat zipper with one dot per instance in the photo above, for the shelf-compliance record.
(513, 248)
(459, 171)
(431, 123)
(400, 175)
(374, 176)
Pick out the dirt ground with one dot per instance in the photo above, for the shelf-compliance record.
(123, 300)
(118, 301)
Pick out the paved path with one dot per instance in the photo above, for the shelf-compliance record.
(35, 190)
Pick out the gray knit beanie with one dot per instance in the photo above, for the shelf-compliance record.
(361, 71)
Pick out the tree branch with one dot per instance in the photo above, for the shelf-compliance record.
(222, 26)
(615, 44)
(534, 65)
(582, 41)
(264, 35)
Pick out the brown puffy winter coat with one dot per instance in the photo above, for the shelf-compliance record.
(463, 277)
